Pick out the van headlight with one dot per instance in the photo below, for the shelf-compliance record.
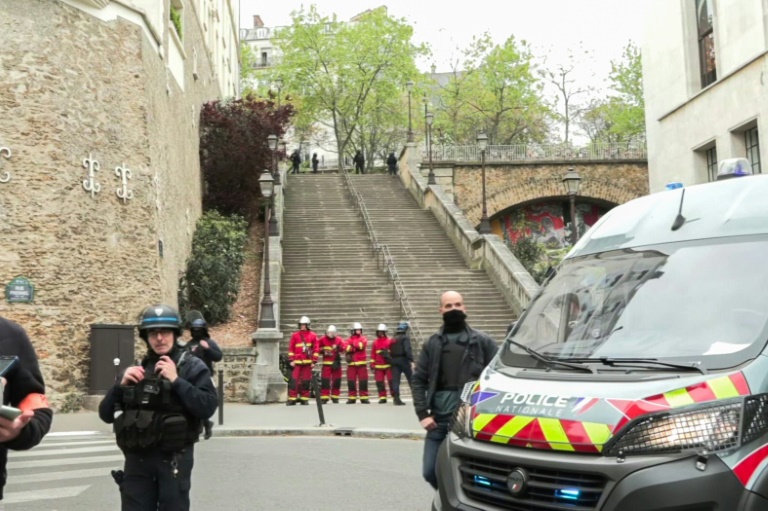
(711, 428)
(462, 421)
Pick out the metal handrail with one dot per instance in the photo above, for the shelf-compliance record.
(636, 150)
(384, 258)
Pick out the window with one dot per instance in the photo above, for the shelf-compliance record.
(706, 36)
(263, 59)
(711, 155)
(753, 149)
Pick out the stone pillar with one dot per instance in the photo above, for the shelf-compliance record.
(267, 382)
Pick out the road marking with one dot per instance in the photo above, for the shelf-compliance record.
(79, 442)
(64, 452)
(58, 476)
(52, 493)
(62, 462)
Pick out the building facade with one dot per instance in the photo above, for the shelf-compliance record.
(100, 185)
(705, 68)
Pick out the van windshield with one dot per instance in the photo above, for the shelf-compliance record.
(700, 301)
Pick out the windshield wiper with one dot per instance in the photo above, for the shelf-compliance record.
(618, 362)
(550, 362)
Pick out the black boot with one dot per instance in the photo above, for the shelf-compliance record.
(290, 403)
(208, 429)
(398, 401)
(335, 400)
(382, 400)
(351, 401)
(304, 402)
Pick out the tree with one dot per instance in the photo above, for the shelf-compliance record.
(341, 71)
(497, 92)
(234, 150)
(569, 91)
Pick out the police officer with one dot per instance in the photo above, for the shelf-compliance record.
(402, 360)
(206, 349)
(158, 409)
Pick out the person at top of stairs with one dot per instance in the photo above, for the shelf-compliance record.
(303, 353)
(381, 362)
(331, 347)
(357, 370)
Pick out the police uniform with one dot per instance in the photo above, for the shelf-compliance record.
(157, 423)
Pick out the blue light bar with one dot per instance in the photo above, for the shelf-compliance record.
(568, 494)
(483, 481)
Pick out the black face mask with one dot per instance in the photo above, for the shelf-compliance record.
(454, 318)
(198, 335)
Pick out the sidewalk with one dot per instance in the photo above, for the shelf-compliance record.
(374, 420)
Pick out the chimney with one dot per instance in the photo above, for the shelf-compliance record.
(257, 23)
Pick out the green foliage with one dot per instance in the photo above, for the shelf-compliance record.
(346, 75)
(494, 89)
(176, 20)
(537, 258)
(212, 279)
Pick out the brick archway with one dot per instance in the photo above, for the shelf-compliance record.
(510, 187)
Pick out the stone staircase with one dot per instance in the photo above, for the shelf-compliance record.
(427, 261)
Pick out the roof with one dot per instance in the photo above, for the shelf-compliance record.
(733, 207)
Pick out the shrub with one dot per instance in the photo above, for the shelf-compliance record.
(176, 20)
(212, 279)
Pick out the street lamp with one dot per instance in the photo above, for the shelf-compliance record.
(485, 224)
(272, 142)
(409, 86)
(279, 83)
(572, 180)
(431, 176)
(267, 318)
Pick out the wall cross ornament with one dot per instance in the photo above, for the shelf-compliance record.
(90, 184)
(124, 173)
(5, 153)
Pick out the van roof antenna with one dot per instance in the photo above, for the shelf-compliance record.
(679, 219)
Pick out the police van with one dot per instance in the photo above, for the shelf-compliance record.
(637, 378)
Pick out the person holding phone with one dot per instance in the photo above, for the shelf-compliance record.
(25, 416)
(158, 409)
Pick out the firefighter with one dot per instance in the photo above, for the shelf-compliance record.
(381, 362)
(303, 353)
(331, 346)
(357, 370)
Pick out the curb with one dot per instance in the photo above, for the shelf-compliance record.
(331, 431)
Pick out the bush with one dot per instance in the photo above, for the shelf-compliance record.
(176, 20)
(212, 279)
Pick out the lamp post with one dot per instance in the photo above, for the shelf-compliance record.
(409, 86)
(572, 180)
(485, 224)
(431, 176)
(267, 318)
(279, 83)
(426, 103)
(272, 142)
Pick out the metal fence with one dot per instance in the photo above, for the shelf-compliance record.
(523, 152)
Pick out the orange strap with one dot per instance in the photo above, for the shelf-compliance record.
(33, 402)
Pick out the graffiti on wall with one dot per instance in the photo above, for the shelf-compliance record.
(545, 222)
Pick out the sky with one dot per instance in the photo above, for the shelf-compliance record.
(552, 27)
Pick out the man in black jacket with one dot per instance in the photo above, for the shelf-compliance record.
(23, 388)
(402, 360)
(206, 349)
(158, 409)
(452, 357)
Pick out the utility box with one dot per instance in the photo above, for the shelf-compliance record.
(109, 342)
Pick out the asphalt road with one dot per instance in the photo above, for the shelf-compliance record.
(69, 473)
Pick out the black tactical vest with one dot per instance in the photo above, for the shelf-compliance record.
(153, 418)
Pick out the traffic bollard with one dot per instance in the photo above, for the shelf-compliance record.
(318, 400)
(221, 397)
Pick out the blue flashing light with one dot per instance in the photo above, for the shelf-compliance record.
(568, 494)
(674, 186)
(483, 481)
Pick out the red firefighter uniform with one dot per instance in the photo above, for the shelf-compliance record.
(357, 370)
(303, 352)
(381, 362)
(331, 347)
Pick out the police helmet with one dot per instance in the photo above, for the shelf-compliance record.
(402, 326)
(159, 316)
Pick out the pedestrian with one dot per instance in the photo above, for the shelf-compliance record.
(315, 163)
(158, 409)
(23, 388)
(453, 356)
(296, 161)
(359, 161)
(381, 362)
(357, 370)
(303, 352)
(331, 347)
(206, 349)
(402, 360)
(392, 164)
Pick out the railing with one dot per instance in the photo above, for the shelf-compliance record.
(384, 260)
(606, 151)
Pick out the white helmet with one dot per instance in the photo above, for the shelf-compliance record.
(381, 328)
(304, 321)
(356, 326)
(331, 329)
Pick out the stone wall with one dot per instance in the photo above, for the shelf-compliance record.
(237, 365)
(509, 185)
(73, 86)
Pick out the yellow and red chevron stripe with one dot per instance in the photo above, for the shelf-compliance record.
(723, 387)
(541, 432)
